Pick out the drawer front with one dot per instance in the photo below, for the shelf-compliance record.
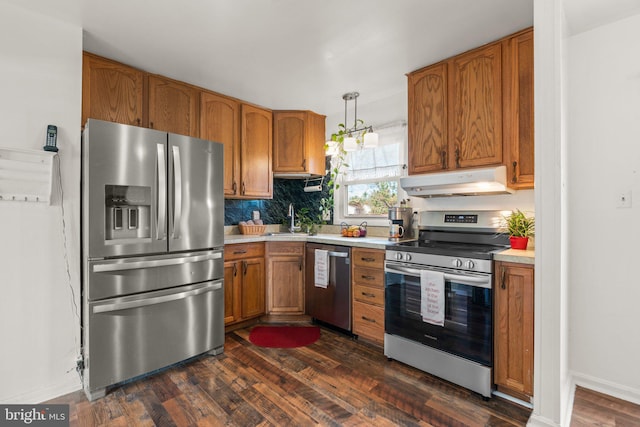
(372, 258)
(285, 248)
(243, 250)
(368, 276)
(369, 295)
(368, 321)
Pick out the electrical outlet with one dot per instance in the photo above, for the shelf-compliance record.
(326, 215)
(624, 199)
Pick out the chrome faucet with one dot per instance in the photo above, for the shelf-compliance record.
(291, 214)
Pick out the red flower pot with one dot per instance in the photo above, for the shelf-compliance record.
(519, 242)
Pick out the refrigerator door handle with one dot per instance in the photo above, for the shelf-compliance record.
(161, 224)
(177, 192)
(145, 302)
(136, 265)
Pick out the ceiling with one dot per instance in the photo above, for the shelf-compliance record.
(300, 54)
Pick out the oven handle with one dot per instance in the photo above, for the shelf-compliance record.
(484, 282)
(145, 302)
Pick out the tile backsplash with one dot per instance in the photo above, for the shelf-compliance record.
(274, 211)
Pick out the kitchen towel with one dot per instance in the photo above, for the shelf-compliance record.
(321, 268)
(432, 297)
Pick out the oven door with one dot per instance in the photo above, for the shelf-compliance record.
(467, 330)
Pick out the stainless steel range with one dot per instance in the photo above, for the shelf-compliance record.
(438, 297)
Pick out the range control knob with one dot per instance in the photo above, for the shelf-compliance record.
(469, 264)
(407, 257)
(456, 263)
(399, 256)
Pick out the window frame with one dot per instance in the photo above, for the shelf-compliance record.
(340, 194)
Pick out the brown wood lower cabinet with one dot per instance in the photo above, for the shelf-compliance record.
(285, 277)
(244, 282)
(367, 284)
(513, 329)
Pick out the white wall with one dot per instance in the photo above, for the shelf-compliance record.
(604, 152)
(40, 83)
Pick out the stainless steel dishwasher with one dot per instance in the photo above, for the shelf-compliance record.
(330, 305)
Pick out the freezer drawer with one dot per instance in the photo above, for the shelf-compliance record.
(134, 335)
(127, 276)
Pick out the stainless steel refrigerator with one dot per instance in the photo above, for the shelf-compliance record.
(152, 251)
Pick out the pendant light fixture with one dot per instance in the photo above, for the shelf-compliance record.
(356, 137)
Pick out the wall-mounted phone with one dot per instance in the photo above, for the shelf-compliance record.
(52, 136)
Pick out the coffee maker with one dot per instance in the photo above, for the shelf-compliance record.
(400, 224)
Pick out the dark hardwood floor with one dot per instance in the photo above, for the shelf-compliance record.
(335, 381)
(591, 408)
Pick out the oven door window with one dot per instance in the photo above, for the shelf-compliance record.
(467, 330)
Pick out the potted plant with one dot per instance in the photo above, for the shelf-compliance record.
(307, 222)
(520, 228)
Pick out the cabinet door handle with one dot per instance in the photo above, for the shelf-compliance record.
(368, 277)
(244, 188)
(366, 319)
(244, 268)
(504, 274)
(443, 158)
(234, 187)
(138, 120)
(514, 179)
(457, 157)
(300, 266)
(368, 259)
(304, 163)
(235, 270)
(368, 294)
(240, 251)
(151, 125)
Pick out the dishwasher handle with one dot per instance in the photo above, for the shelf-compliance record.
(339, 254)
(145, 302)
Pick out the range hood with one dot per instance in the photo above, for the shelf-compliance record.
(469, 182)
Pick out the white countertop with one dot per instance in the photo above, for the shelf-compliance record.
(509, 255)
(334, 239)
(517, 255)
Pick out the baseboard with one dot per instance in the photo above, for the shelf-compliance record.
(45, 394)
(538, 421)
(618, 391)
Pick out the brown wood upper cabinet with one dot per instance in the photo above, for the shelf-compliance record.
(111, 91)
(518, 110)
(246, 132)
(475, 109)
(256, 152)
(298, 143)
(455, 112)
(173, 106)
(220, 122)
(428, 142)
